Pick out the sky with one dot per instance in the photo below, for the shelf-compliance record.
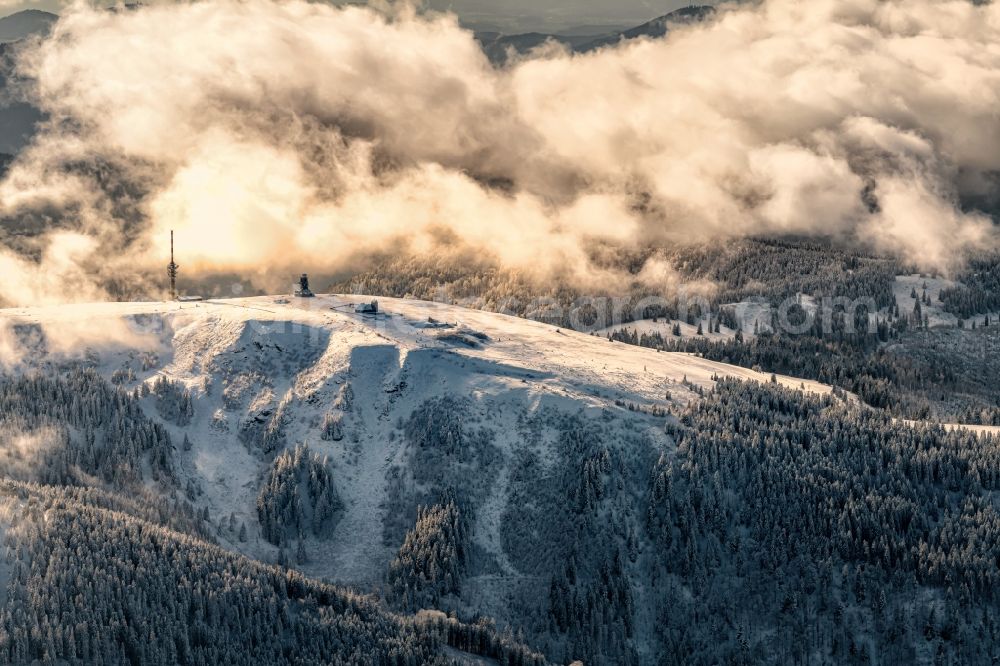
(505, 15)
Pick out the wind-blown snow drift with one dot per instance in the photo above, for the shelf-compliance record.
(277, 134)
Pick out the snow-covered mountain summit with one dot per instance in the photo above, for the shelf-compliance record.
(237, 382)
(187, 335)
(264, 373)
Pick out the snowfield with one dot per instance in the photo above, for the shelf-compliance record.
(906, 285)
(749, 314)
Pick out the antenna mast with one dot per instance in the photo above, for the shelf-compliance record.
(172, 269)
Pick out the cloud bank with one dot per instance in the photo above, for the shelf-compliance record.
(283, 136)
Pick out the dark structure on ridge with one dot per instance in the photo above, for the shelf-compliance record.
(172, 269)
(303, 290)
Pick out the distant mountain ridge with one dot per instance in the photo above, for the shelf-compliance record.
(17, 116)
(25, 24)
(498, 46)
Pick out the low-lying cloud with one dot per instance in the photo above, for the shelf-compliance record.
(276, 137)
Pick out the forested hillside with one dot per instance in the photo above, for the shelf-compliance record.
(947, 374)
(91, 585)
(979, 290)
(715, 274)
(805, 531)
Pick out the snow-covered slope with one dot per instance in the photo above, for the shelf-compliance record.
(908, 285)
(257, 362)
(542, 420)
(242, 358)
